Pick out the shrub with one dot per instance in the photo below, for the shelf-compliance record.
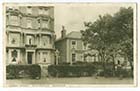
(18, 71)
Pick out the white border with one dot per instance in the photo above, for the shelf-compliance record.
(60, 88)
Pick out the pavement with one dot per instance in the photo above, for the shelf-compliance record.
(43, 82)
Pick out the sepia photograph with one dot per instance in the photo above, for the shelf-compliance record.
(70, 44)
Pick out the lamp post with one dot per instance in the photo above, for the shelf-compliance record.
(57, 56)
(73, 52)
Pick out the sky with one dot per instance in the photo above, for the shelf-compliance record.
(72, 16)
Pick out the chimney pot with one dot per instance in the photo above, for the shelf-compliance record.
(63, 32)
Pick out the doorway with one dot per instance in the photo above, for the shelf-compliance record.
(29, 57)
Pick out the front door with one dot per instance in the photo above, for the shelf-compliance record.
(29, 57)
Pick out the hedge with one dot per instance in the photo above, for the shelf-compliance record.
(23, 71)
(71, 70)
(84, 69)
(124, 73)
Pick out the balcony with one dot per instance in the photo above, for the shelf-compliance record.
(30, 45)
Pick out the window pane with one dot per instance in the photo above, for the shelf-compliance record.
(45, 56)
(14, 20)
(73, 57)
(14, 53)
(29, 23)
(30, 39)
(45, 24)
(73, 42)
(46, 40)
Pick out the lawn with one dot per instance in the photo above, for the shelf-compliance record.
(69, 81)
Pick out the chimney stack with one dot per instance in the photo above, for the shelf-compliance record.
(63, 32)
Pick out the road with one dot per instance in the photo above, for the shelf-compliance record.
(69, 81)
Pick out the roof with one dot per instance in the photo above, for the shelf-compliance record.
(73, 34)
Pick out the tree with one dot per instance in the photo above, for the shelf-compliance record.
(124, 25)
(96, 35)
(109, 34)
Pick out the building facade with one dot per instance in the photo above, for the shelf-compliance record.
(30, 35)
(72, 49)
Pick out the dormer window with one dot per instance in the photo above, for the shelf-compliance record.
(40, 11)
(46, 11)
(29, 10)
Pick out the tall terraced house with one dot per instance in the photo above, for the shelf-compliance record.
(30, 35)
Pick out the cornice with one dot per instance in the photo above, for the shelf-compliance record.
(40, 30)
(17, 12)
